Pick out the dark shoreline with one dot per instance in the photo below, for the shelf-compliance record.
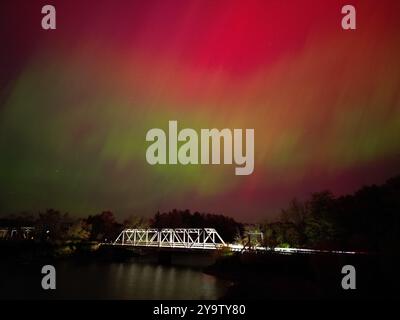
(280, 276)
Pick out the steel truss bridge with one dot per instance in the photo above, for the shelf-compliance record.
(198, 239)
(194, 238)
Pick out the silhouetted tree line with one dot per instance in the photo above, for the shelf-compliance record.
(369, 219)
(53, 225)
(227, 227)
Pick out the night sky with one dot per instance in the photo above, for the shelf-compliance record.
(76, 102)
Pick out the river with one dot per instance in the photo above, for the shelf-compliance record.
(110, 280)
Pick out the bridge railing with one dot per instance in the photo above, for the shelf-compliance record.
(188, 238)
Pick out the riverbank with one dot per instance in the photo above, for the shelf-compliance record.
(279, 276)
(31, 250)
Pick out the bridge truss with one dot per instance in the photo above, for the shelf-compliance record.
(207, 238)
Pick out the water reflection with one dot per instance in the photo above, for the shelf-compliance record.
(133, 281)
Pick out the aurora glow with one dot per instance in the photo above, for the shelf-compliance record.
(76, 102)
